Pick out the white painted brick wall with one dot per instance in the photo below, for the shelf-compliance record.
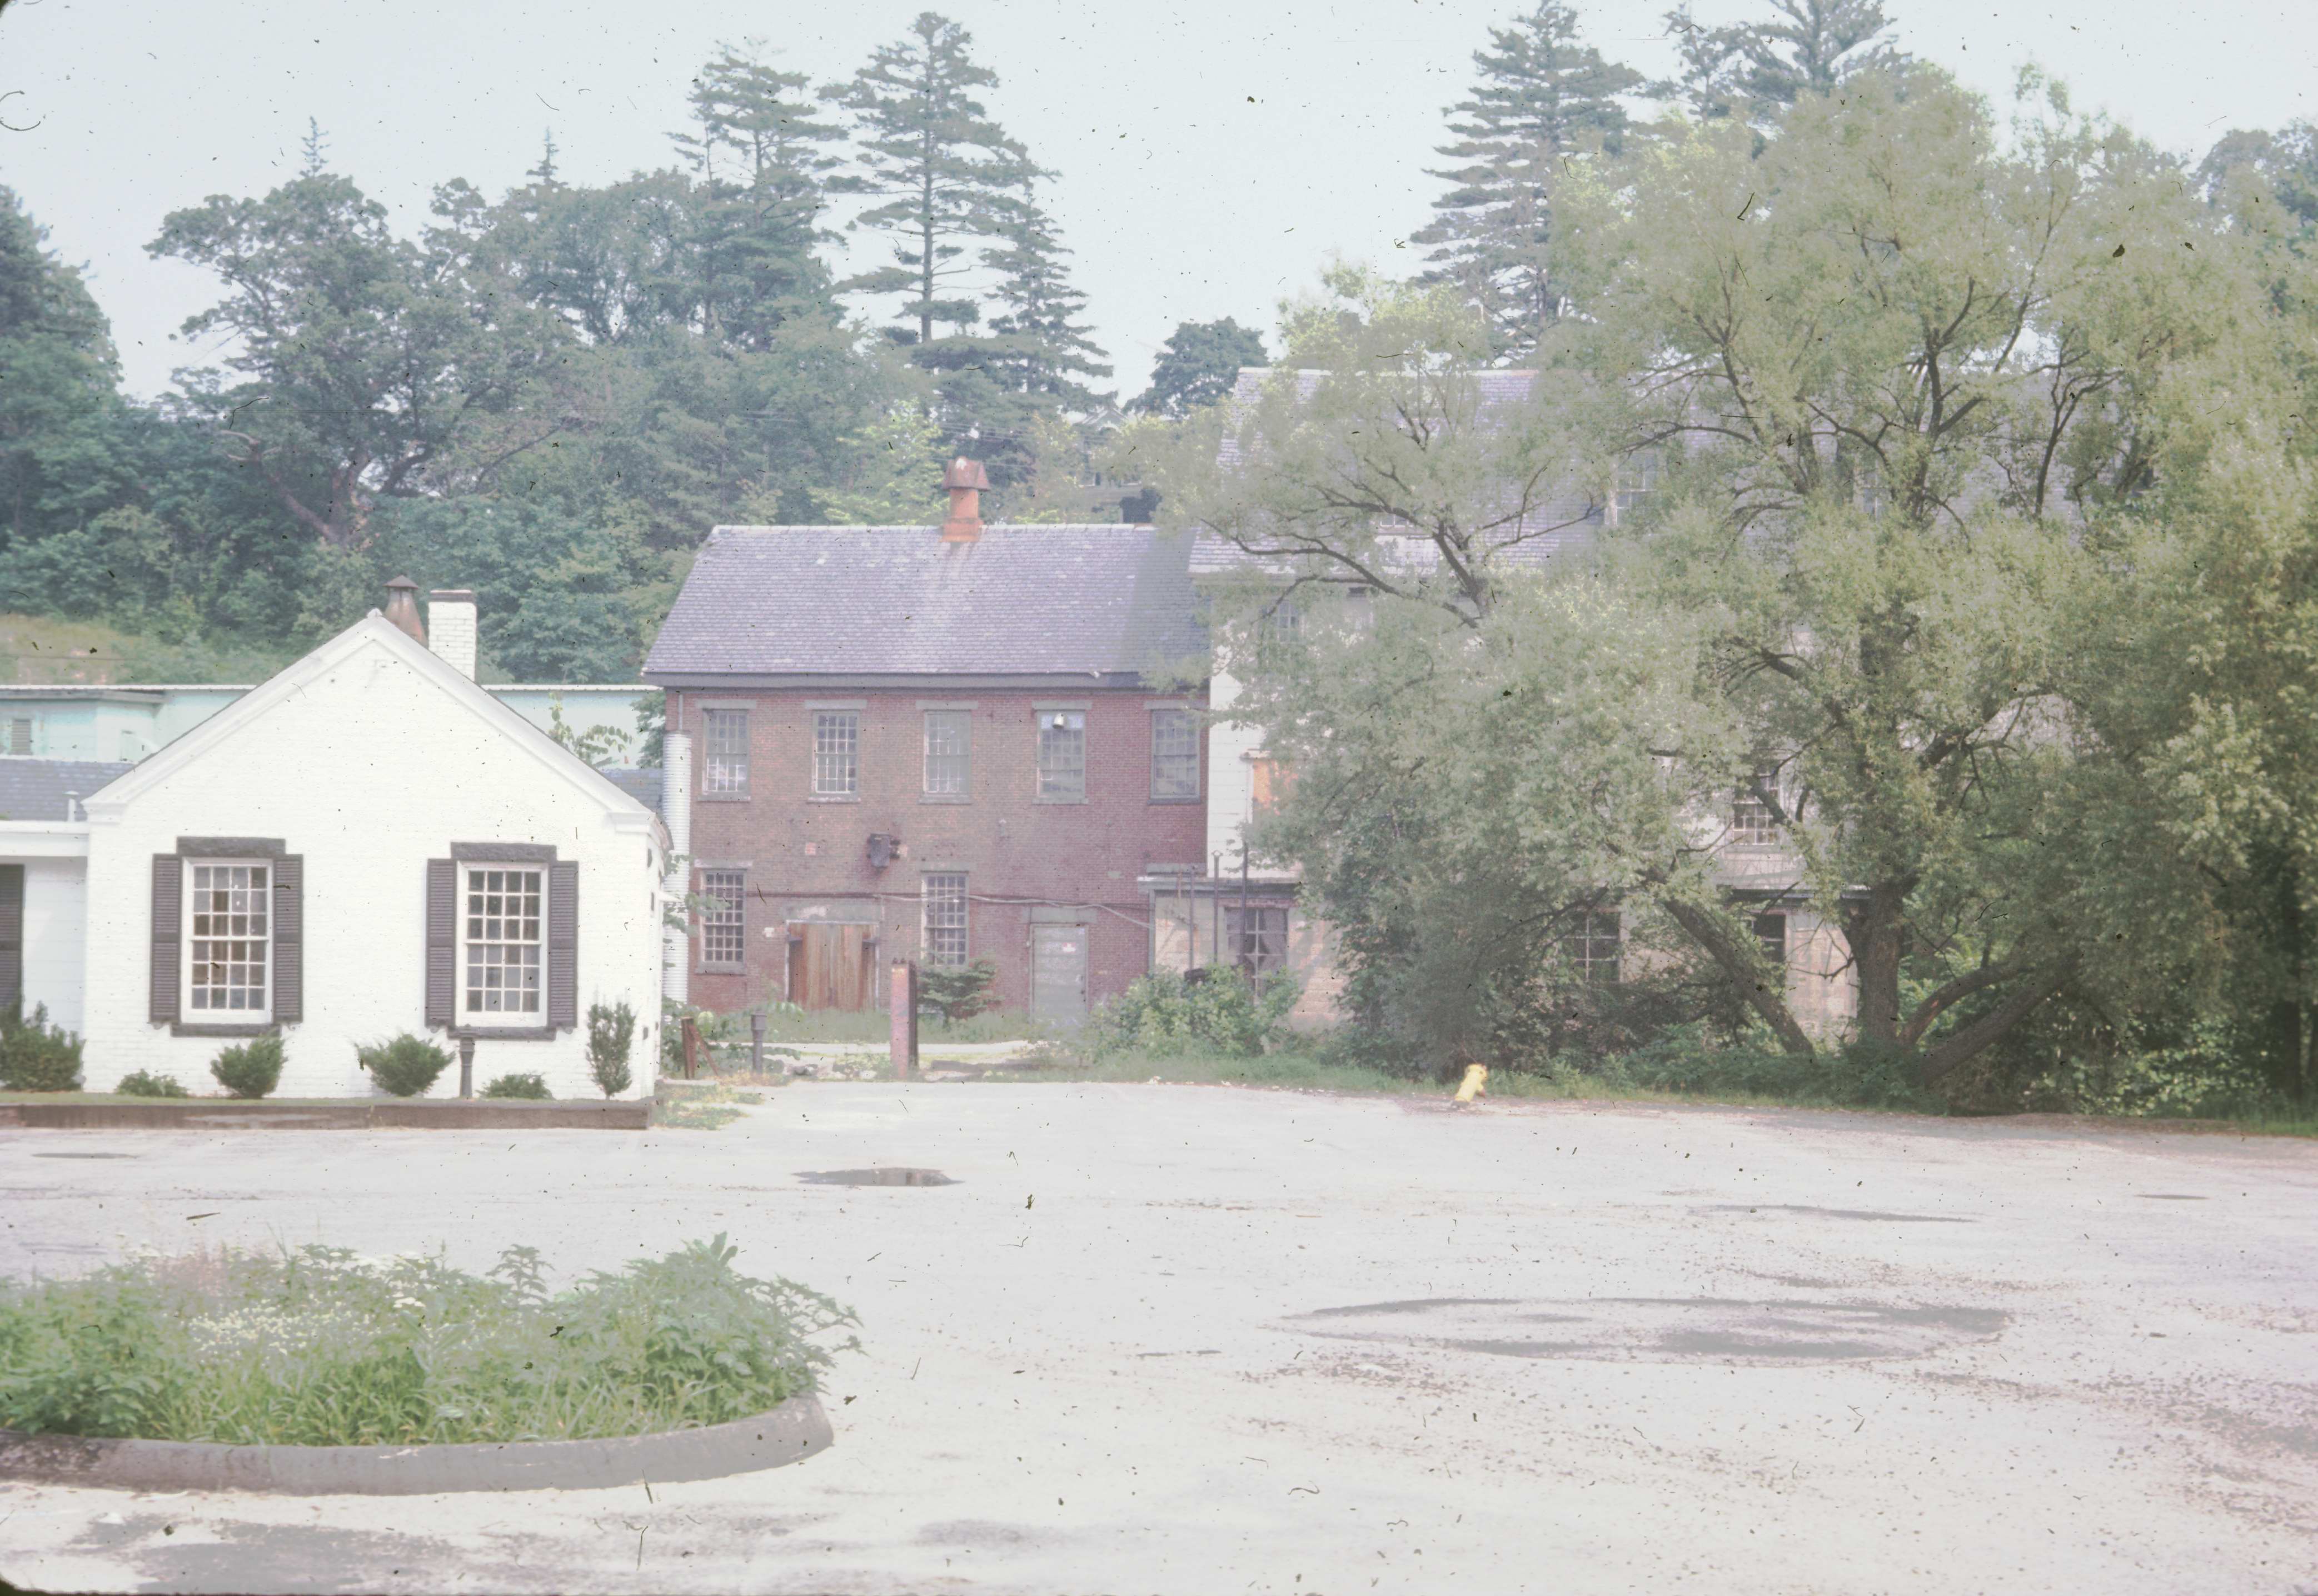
(369, 771)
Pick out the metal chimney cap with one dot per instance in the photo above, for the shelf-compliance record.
(404, 582)
(965, 473)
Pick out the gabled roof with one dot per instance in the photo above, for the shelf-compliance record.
(1082, 604)
(375, 632)
(37, 789)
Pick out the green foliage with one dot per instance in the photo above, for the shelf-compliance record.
(611, 1037)
(529, 1087)
(35, 1056)
(1161, 1013)
(1751, 69)
(404, 1066)
(250, 1069)
(960, 993)
(318, 1348)
(143, 1084)
(1197, 365)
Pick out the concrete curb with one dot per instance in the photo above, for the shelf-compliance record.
(456, 1114)
(789, 1433)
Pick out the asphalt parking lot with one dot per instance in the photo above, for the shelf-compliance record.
(1202, 1339)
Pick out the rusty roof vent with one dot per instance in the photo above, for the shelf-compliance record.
(402, 607)
(965, 479)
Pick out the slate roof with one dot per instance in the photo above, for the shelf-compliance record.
(1090, 605)
(35, 789)
(642, 785)
(1550, 531)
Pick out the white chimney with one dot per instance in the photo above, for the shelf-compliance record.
(676, 813)
(451, 628)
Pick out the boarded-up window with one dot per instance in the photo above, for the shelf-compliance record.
(945, 920)
(1174, 754)
(1258, 937)
(836, 753)
(949, 753)
(1062, 755)
(723, 921)
(504, 940)
(726, 772)
(230, 909)
(1592, 944)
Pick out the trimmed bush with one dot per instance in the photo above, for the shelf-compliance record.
(531, 1087)
(611, 1036)
(35, 1056)
(251, 1069)
(142, 1085)
(406, 1066)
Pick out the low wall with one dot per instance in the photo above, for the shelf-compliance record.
(451, 1114)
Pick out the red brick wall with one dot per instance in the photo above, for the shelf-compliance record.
(1015, 851)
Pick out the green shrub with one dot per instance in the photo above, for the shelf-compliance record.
(531, 1087)
(611, 1036)
(35, 1056)
(319, 1347)
(960, 993)
(406, 1066)
(249, 1068)
(1164, 1015)
(142, 1085)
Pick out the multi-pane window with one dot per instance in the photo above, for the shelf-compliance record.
(1638, 479)
(949, 753)
(504, 940)
(232, 937)
(724, 924)
(1174, 754)
(1062, 755)
(1771, 933)
(945, 913)
(1259, 938)
(836, 753)
(726, 771)
(1752, 824)
(1592, 944)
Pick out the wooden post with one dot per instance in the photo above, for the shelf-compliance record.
(691, 1034)
(902, 993)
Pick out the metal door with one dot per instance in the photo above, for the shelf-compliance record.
(1058, 973)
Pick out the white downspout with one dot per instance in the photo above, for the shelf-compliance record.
(676, 810)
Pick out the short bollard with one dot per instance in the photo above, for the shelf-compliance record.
(903, 1002)
(467, 1066)
(756, 1042)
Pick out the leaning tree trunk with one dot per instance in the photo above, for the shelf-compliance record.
(1877, 932)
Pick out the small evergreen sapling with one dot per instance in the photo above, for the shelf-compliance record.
(611, 1034)
(250, 1069)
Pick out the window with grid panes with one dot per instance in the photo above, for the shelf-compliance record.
(723, 921)
(231, 936)
(836, 753)
(505, 921)
(1752, 824)
(725, 771)
(1638, 479)
(1174, 754)
(945, 920)
(1592, 947)
(949, 753)
(1061, 755)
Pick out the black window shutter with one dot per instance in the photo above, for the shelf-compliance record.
(12, 937)
(441, 941)
(168, 935)
(289, 939)
(564, 944)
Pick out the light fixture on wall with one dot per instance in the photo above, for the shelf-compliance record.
(883, 846)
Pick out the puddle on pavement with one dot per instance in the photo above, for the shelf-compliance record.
(84, 1155)
(891, 1176)
(1660, 1330)
(1838, 1213)
(2169, 1196)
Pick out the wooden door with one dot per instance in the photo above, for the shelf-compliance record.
(831, 966)
(1058, 972)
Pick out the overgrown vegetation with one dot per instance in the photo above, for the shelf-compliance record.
(404, 1066)
(318, 1347)
(530, 1088)
(251, 1069)
(1164, 1014)
(35, 1056)
(141, 1083)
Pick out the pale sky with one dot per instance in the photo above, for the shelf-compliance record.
(1212, 154)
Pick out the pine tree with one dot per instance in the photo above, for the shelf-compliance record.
(1045, 352)
(1752, 68)
(1540, 96)
(946, 174)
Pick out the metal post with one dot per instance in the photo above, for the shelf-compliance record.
(756, 1042)
(466, 1064)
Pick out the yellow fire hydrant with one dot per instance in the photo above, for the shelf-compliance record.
(1477, 1083)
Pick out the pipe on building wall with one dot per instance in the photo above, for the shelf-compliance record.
(675, 810)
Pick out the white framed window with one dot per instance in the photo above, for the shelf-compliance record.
(1752, 824)
(724, 773)
(836, 753)
(1174, 754)
(228, 937)
(1062, 755)
(503, 940)
(1592, 945)
(949, 753)
(1638, 479)
(944, 898)
(724, 923)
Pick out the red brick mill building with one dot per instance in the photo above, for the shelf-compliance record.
(945, 744)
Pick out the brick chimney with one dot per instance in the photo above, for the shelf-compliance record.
(451, 628)
(965, 479)
(402, 607)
